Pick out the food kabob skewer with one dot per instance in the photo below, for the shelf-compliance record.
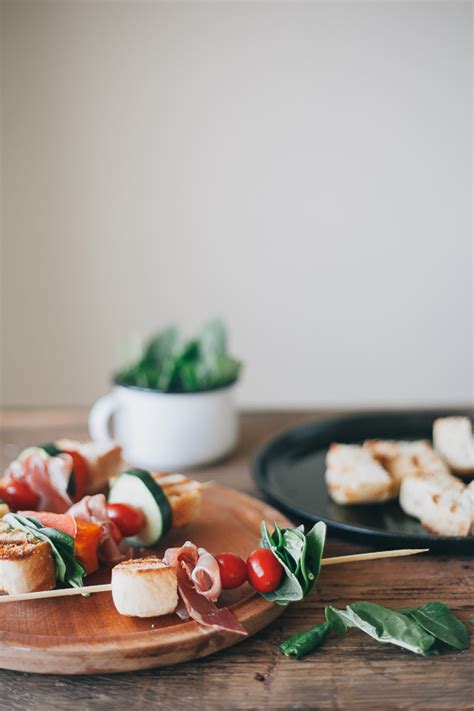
(107, 587)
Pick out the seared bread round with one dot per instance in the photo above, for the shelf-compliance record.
(144, 587)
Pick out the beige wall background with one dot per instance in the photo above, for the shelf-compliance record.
(302, 168)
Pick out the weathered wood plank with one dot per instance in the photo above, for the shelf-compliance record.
(352, 672)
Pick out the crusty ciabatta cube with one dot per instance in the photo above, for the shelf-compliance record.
(470, 493)
(184, 495)
(144, 587)
(26, 563)
(104, 460)
(414, 490)
(448, 513)
(452, 437)
(402, 459)
(353, 476)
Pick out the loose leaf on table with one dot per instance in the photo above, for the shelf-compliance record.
(305, 642)
(384, 625)
(437, 619)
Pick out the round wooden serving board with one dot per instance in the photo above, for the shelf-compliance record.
(86, 635)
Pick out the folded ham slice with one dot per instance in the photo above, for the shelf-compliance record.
(94, 510)
(199, 585)
(47, 476)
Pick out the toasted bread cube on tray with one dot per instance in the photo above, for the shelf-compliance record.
(453, 438)
(353, 476)
(402, 459)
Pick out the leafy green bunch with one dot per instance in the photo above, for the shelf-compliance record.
(170, 364)
(300, 556)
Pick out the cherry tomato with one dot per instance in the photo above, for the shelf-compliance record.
(81, 474)
(232, 569)
(18, 495)
(129, 519)
(263, 570)
(116, 533)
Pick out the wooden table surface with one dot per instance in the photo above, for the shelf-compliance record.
(352, 672)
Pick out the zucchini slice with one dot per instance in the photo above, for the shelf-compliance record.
(138, 488)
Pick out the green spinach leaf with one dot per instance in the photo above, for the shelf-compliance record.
(437, 619)
(305, 642)
(169, 364)
(386, 626)
(300, 557)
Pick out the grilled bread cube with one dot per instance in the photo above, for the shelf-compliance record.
(470, 492)
(144, 587)
(414, 490)
(452, 437)
(26, 563)
(4, 509)
(353, 476)
(448, 513)
(184, 495)
(104, 460)
(402, 459)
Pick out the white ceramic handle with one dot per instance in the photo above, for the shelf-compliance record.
(99, 417)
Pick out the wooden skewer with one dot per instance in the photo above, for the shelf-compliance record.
(88, 589)
(372, 556)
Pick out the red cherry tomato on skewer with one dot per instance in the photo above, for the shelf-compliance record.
(129, 519)
(18, 495)
(232, 569)
(264, 571)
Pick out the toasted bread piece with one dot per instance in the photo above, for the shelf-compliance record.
(470, 493)
(144, 587)
(26, 563)
(184, 495)
(402, 459)
(353, 476)
(452, 437)
(448, 513)
(414, 490)
(104, 460)
(4, 509)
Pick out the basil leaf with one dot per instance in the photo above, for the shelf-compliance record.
(68, 569)
(437, 619)
(387, 626)
(315, 540)
(338, 619)
(161, 347)
(169, 364)
(305, 642)
(300, 557)
(290, 590)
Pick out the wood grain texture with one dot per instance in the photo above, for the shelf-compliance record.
(352, 672)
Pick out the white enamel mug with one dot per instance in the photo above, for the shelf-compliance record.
(167, 431)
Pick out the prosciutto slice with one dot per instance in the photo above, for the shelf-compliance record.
(47, 476)
(94, 510)
(199, 585)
